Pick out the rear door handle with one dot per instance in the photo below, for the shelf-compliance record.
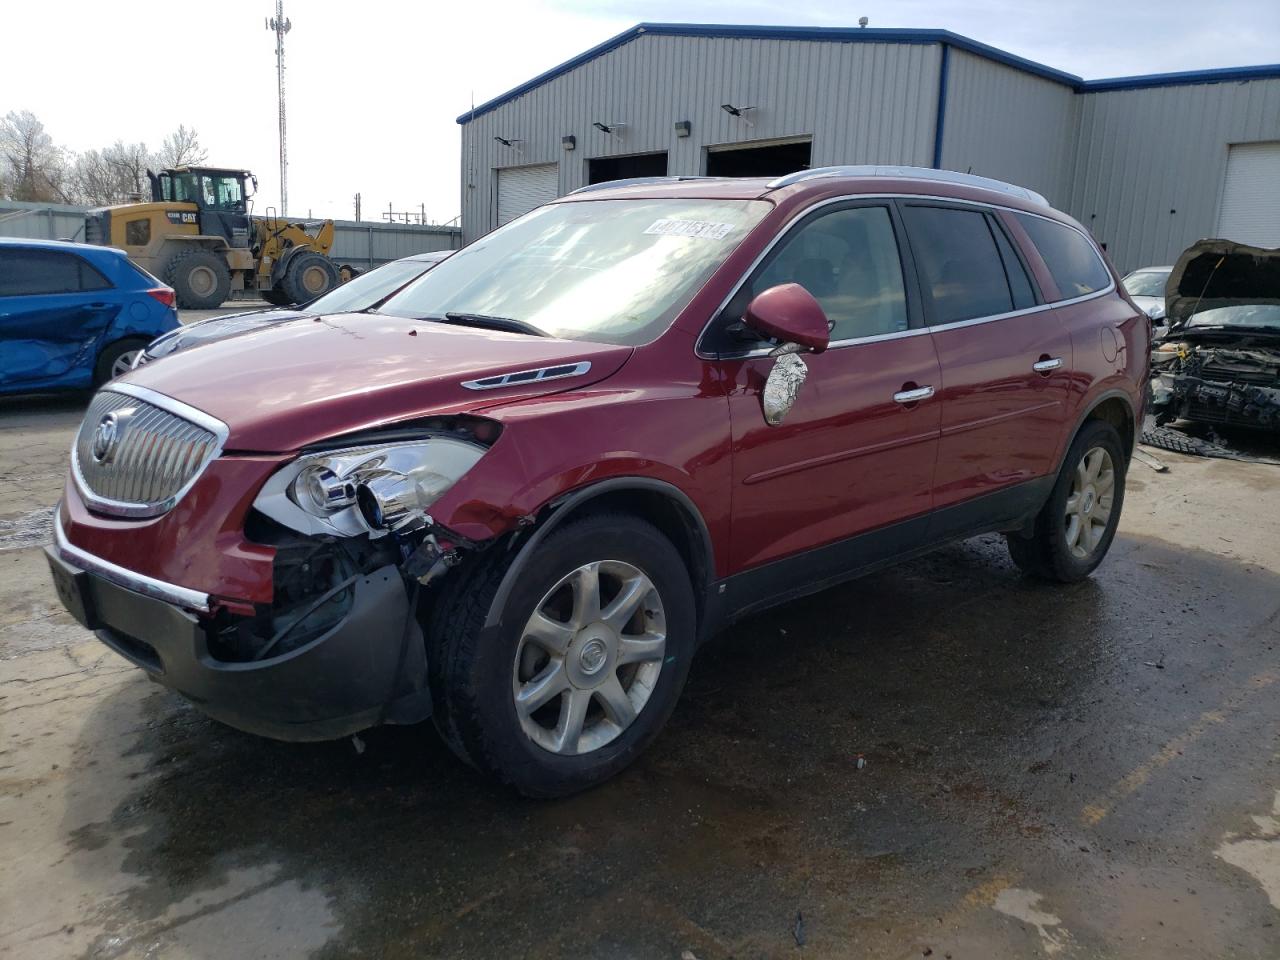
(913, 396)
(1044, 366)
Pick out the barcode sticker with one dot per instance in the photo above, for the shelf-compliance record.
(703, 229)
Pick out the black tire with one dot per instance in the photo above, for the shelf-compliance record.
(276, 298)
(113, 352)
(309, 275)
(200, 278)
(472, 674)
(1045, 554)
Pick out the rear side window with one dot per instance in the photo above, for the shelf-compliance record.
(33, 272)
(1019, 283)
(1070, 256)
(961, 271)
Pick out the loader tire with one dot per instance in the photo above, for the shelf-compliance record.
(200, 278)
(309, 275)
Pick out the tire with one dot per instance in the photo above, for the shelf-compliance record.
(477, 675)
(309, 275)
(276, 298)
(117, 359)
(200, 278)
(1057, 549)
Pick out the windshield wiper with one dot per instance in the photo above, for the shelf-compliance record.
(492, 323)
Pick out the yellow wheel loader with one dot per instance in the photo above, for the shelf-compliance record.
(198, 236)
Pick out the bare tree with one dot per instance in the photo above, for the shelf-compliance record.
(182, 148)
(129, 163)
(34, 168)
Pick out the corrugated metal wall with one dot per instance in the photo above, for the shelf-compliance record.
(360, 244)
(861, 102)
(1149, 163)
(41, 221)
(1005, 123)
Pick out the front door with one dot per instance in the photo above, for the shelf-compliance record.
(845, 479)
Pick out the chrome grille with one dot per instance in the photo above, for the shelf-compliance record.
(138, 452)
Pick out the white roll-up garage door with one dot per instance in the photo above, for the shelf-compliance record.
(1250, 210)
(520, 189)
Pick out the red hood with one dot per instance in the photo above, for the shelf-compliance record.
(303, 381)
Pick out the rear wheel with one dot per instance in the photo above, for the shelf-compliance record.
(276, 298)
(309, 275)
(1074, 529)
(117, 360)
(200, 279)
(591, 650)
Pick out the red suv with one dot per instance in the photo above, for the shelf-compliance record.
(517, 496)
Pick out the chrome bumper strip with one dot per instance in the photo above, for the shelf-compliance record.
(139, 583)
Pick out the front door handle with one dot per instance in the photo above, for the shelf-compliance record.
(913, 396)
(1045, 366)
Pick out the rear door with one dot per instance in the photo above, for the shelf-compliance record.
(54, 308)
(1006, 359)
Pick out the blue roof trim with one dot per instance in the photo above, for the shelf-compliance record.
(875, 35)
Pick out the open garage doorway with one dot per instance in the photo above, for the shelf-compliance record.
(603, 169)
(764, 160)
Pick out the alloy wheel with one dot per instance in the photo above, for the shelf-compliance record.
(1088, 508)
(589, 657)
(124, 363)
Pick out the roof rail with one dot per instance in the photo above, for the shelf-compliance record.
(634, 182)
(910, 173)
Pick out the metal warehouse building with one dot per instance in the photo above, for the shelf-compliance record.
(1149, 163)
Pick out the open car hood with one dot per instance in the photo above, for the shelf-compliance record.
(1221, 273)
(288, 385)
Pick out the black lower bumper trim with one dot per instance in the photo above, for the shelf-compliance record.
(370, 668)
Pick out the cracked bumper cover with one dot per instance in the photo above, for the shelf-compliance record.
(368, 669)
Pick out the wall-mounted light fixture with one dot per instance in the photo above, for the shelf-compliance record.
(569, 142)
(612, 129)
(739, 112)
(508, 143)
(683, 128)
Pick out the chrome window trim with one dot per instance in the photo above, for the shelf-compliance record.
(898, 334)
(123, 577)
(137, 511)
(504, 379)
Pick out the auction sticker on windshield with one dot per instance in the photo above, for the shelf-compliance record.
(705, 229)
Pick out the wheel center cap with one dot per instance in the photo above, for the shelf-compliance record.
(1090, 497)
(592, 655)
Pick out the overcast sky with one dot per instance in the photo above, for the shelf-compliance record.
(374, 87)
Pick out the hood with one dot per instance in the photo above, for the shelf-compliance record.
(1221, 273)
(288, 385)
(217, 328)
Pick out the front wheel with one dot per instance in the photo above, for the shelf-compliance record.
(117, 360)
(591, 650)
(1074, 529)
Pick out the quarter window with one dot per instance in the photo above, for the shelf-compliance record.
(1019, 283)
(960, 267)
(848, 260)
(1070, 256)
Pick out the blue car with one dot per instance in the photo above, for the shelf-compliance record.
(74, 316)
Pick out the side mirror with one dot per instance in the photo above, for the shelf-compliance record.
(789, 314)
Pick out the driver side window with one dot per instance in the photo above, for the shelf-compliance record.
(848, 259)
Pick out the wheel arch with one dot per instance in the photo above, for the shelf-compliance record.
(663, 504)
(1114, 407)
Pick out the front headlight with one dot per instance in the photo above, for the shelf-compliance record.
(366, 489)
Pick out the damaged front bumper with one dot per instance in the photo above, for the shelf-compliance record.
(1181, 397)
(365, 666)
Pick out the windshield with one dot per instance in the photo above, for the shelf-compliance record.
(368, 289)
(1146, 283)
(1248, 315)
(610, 271)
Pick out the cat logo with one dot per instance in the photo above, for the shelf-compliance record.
(183, 216)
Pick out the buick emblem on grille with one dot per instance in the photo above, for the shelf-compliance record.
(107, 437)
